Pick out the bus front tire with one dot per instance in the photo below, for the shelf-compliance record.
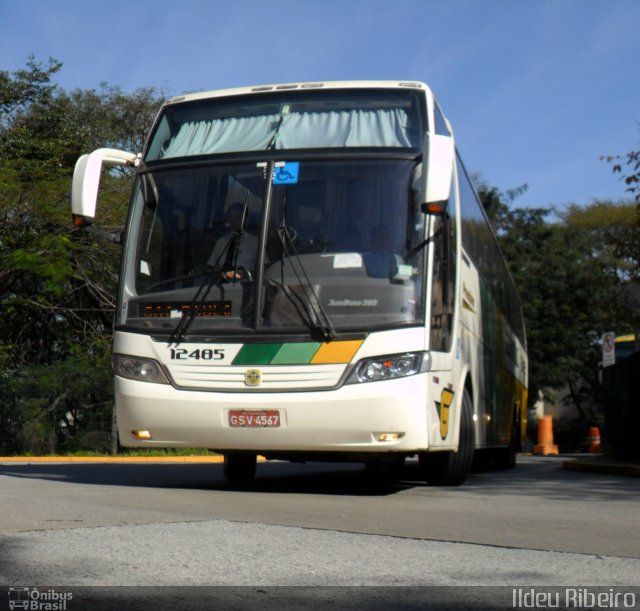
(239, 467)
(452, 468)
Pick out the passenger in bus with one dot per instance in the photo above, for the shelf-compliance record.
(381, 261)
(235, 252)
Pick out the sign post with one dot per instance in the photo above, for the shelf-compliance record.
(608, 349)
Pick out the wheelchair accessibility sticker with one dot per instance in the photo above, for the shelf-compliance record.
(286, 173)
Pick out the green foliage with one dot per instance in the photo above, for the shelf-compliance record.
(573, 272)
(58, 284)
(56, 408)
(24, 87)
(632, 176)
(46, 258)
(614, 232)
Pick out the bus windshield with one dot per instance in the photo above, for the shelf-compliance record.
(312, 243)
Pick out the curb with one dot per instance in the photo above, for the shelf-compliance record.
(110, 459)
(602, 467)
(580, 465)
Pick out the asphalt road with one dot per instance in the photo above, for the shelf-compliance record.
(314, 525)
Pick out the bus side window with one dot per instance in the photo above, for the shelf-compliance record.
(443, 279)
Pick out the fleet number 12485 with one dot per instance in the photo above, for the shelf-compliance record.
(204, 354)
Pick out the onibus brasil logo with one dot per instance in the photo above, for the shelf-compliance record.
(36, 600)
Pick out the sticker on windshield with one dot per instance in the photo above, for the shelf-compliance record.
(347, 260)
(286, 173)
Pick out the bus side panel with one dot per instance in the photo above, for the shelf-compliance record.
(496, 363)
(503, 391)
(470, 309)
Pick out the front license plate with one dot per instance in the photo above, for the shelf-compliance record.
(254, 418)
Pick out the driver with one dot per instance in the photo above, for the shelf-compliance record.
(235, 252)
(381, 261)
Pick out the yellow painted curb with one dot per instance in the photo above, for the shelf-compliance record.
(111, 459)
(115, 459)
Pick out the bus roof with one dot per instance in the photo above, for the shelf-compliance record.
(312, 85)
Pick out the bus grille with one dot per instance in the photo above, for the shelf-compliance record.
(271, 378)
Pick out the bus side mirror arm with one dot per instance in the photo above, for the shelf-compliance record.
(438, 159)
(86, 180)
(110, 236)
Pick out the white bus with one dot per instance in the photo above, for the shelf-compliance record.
(308, 275)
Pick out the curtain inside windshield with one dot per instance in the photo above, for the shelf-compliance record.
(334, 120)
(297, 130)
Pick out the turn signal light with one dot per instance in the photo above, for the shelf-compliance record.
(389, 436)
(141, 434)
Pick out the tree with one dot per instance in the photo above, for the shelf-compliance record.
(24, 87)
(614, 232)
(57, 284)
(632, 177)
(572, 269)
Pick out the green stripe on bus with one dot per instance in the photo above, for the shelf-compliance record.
(256, 354)
(296, 354)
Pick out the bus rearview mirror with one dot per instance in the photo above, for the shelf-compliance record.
(86, 180)
(439, 157)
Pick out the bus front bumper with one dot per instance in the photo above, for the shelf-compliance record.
(380, 416)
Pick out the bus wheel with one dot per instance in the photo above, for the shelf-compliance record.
(239, 467)
(452, 468)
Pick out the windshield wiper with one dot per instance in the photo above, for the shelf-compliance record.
(216, 276)
(179, 333)
(311, 304)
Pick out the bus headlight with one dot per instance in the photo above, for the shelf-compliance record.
(139, 369)
(388, 367)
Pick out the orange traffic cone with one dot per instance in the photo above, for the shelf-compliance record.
(594, 440)
(545, 444)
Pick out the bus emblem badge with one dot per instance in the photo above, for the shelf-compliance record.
(253, 377)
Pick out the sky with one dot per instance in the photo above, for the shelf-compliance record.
(537, 91)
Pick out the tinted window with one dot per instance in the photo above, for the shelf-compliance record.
(480, 243)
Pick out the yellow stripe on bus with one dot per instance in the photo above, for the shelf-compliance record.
(336, 352)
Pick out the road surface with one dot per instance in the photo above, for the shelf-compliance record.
(76, 525)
